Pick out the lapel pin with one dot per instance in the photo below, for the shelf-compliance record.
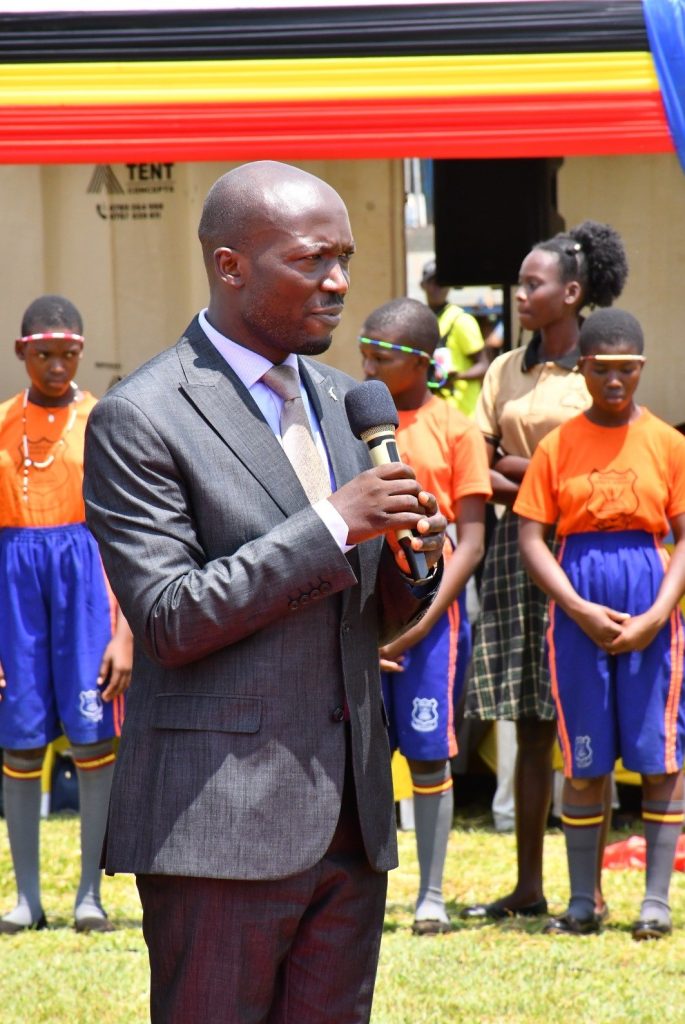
(332, 393)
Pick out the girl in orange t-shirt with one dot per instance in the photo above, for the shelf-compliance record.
(613, 480)
(65, 652)
(425, 668)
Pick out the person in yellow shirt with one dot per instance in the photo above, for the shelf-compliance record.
(461, 336)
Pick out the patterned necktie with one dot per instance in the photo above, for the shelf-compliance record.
(296, 434)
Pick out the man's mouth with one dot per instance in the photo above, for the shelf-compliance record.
(331, 314)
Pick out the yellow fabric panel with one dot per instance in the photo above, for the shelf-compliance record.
(487, 749)
(57, 746)
(622, 775)
(401, 777)
(363, 78)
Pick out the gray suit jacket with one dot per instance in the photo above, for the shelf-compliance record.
(252, 628)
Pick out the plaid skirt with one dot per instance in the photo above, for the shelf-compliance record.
(509, 677)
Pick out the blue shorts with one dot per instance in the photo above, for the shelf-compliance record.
(625, 705)
(420, 701)
(55, 623)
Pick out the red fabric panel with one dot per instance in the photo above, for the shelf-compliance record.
(503, 126)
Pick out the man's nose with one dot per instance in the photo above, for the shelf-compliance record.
(336, 280)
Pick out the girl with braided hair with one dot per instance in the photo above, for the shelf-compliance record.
(526, 393)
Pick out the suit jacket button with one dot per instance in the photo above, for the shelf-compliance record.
(304, 599)
(294, 605)
(325, 587)
(338, 714)
(315, 593)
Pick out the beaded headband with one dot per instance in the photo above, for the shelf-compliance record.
(49, 335)
(437, 370)
(605, 357)
(395, 347)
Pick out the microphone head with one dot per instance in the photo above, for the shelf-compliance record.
(369, 405)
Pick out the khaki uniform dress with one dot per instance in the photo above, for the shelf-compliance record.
(522, 399)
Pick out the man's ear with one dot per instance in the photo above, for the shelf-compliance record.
(20, 350)
(228, 264)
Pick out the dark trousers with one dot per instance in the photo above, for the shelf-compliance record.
(297, 950)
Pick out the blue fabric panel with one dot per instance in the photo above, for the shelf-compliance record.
(665, 20)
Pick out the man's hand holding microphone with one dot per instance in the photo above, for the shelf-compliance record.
(388, 500)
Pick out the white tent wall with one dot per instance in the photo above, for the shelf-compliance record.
(643, 197)
(139, 280)
(131, 260)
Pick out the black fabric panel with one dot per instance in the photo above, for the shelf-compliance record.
(528, 27)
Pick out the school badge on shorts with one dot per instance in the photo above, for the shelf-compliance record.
(582, 755)
(90, 705)
(424, 714)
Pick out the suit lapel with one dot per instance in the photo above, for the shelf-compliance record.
(220, 397)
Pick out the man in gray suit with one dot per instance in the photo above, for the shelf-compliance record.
(252, 795)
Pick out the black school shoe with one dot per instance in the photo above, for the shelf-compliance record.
(94, 924)
(497, 912)
(650, 929)
(11, 928)
(568, 924)
(431, 926)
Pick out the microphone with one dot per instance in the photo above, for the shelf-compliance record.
(373, 418)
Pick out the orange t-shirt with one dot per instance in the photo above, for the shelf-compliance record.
(447, 452)
(54, 494)
(591, 478)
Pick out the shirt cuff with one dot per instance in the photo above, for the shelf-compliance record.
(334, 523)
(423, 588)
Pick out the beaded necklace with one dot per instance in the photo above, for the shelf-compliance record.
(30, 463)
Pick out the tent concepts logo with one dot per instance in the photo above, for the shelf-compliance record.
(104, 178)
(141, 184)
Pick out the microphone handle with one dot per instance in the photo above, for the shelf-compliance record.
(382, 447)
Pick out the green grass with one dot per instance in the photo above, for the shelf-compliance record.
(478, 973)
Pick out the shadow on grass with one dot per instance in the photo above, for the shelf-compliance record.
(120, 924)
(400, 915)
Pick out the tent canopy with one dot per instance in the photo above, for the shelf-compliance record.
(244, 81)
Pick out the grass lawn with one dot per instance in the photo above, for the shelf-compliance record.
(478, 973)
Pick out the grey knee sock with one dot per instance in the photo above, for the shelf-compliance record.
(433, 814)
(663, 822)
(582, 829)
(21, 794)
(94, 766)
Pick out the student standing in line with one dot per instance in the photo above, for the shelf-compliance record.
(613, 479)
(428, 662)
(65, 652)
(526, 393)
